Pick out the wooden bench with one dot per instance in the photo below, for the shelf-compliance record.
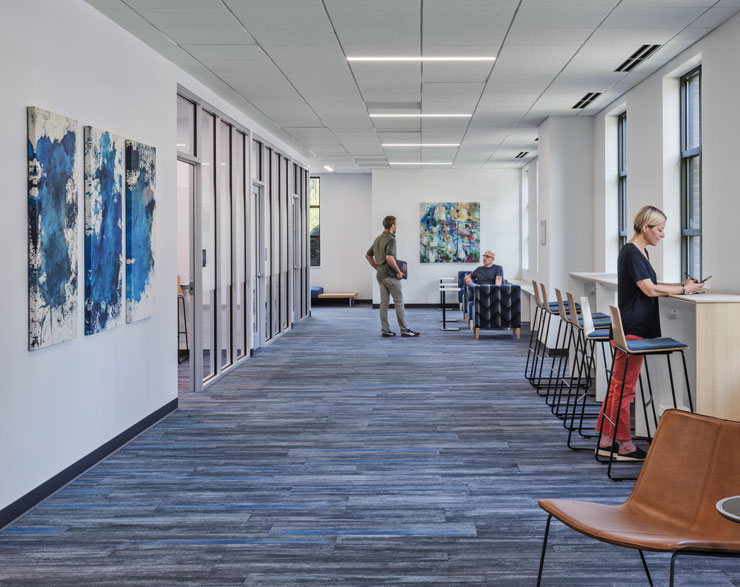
(339, 296)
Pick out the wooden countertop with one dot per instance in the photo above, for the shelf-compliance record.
(607, 278)
(710, 297)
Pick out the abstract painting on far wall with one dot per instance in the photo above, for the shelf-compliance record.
(103, 230)
(140, 204)
(52, 228)
(450, 232)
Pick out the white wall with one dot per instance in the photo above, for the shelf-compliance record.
(653, 169)
(399, 193)
(60, 403)
(346, 202)
(565, 198)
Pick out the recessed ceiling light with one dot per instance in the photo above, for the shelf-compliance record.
(328, 168)
(181, 145)
(418, 163)
(420, 144)
(420, 115)
(417, 59)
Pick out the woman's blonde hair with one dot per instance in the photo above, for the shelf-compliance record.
(649, 215)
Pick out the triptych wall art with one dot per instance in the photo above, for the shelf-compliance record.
(52, 228)
(450, 232)
(103, 230)
(140, 187)
(53, 236)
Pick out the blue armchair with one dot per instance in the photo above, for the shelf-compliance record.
(496, 307)
(461, 284)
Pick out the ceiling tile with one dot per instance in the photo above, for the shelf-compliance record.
(313, 136)
(380, 27)
(650, 16)
(473, 22)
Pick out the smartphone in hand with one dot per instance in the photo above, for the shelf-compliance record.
(706, 279)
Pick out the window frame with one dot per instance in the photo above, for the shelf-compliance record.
(622, 179)
(689, 262)
(311, 206)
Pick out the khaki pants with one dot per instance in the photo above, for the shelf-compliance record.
(390, 286)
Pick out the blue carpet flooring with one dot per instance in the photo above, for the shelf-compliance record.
(337, 457)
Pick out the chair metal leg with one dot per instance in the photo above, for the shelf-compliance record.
(544, 548)
(652, 397)
(673, 565)
(670, 376)
(647, 571)
(688, 388)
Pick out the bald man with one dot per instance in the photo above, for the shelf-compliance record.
(488, 273)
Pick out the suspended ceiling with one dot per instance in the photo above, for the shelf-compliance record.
(285, 63)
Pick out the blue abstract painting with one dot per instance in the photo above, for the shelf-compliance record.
(450, 232)
(52, 228)
(103, 230)
(141, 166)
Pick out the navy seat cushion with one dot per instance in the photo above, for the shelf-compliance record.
(604, 333)
(315, 291)
(648, 345)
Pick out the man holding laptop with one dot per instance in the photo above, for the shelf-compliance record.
(382, 257)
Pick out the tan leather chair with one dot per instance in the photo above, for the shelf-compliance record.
(694, 462)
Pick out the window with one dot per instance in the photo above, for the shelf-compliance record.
(314, 224)
(525, 219)
(622, 178)
(691, 173)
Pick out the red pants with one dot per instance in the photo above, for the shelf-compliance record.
(630, 384)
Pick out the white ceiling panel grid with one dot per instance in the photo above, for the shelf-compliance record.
(284, 63)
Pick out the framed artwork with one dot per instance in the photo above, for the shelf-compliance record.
(103, 230)
(450, 232)
(52, 228)
(141, 184)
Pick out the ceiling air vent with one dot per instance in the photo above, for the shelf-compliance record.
(586, 100)
(637, 57)
(522, 155)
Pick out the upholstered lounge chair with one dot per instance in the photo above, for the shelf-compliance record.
(693, 462)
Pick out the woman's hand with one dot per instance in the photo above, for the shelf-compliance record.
(689, 280)
(692, 285)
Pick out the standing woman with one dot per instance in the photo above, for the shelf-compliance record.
(638, 291)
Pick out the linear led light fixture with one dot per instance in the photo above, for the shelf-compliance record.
(420, 115)
(418, 59)
(328, 168)
(420, 144)
(418, 163)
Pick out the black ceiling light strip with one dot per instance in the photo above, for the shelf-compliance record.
(637, 57)
(522, 155)
(586, 100)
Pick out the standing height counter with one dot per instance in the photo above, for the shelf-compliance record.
(708, 322)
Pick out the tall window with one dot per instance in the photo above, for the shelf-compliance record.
(691, 173)
(525, 219)
(314, 222)
(622, 178)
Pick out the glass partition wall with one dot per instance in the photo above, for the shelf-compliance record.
(249, 278)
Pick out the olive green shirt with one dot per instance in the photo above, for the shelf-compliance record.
(384, 245)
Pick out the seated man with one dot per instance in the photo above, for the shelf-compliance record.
(488, 273)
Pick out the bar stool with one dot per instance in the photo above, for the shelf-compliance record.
(646, 347)
(183, 354)
(534, 333)
(553, 309)
(573, 338)
(590, 335)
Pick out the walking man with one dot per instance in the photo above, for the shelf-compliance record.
(382, 257)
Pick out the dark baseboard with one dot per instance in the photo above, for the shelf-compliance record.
(316, 303)
(36, 496)
(450, 306)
